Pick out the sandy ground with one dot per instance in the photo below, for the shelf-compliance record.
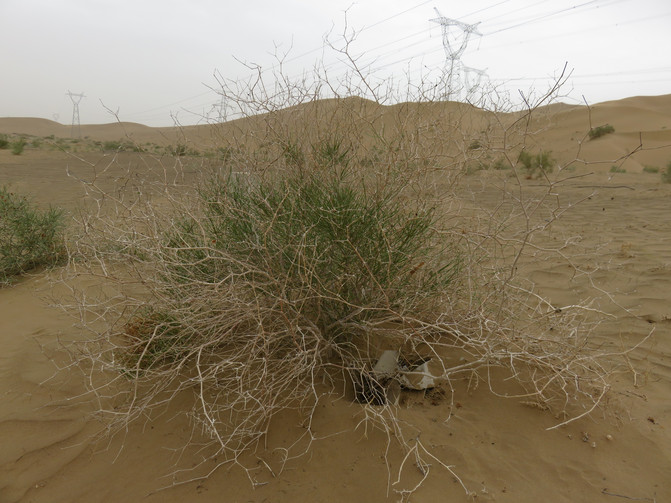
(500, 448)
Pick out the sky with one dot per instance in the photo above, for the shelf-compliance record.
(157, 62)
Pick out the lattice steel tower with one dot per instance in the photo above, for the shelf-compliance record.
(456, 35)
(76, 98)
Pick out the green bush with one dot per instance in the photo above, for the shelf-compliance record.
(112, 145)
(319, 238)
(599, 131)
(666, 175)
(18, 146)
(650, 169)
(4, 142)
(501, 164)
(536, 165)
(617, 169)
(178, 151)
(29, 237)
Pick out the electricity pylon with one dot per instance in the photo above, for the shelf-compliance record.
(479, 74)
(76, 98)
(456, 35)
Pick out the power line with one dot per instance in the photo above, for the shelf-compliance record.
(373, 57)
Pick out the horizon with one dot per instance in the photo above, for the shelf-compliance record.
(82, 124)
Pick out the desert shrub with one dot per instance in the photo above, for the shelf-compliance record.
(475, 166)
(29, 237)
(112, 145)
(617, 169)
(650, 169)
(178, 150)
(18, 146)
(333, 257)
(4, 142)
(475, 145)
(293, 154)
(501, 164)
(600, 131)
(331, 153)
(666, 175)
(278, 279)
(536, 165)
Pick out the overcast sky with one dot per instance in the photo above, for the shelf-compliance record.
(153, 60)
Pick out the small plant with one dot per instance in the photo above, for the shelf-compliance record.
(475, 145)
(112, 145)
(650, 169)
(617, 169)
(18, 146)
(29, 237)
(599, 131)
(293, 154)
(501, 164)
(536, 165)
(4, 142)
(666, 175)
(475, 166)
(151, 339)
(331, 153)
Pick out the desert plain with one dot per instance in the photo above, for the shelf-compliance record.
(503, 450)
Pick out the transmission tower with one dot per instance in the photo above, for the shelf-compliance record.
(471, 87)
(456, 35)
(76, 98)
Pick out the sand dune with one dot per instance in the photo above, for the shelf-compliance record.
(500, 448)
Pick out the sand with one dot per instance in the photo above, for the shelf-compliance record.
(500, 448)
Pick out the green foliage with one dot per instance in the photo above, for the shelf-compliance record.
(151, 339)
(4, 142)
(666, 175)
(178, 151)
(536, 165)
(599, 131)
(112, 145)
(650, 169)
(318, 240)
(29, 237)
(501, 164)
(331, 153)
(475, 166)
(293, 154)
(617, 169)
(18, 146)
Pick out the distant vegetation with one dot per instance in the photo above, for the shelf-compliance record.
(617, 169)
(29, 237)
(650, 169)
(599, 131)
(18, 146)
(4, 142)
(666, 175)
(538, 164)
